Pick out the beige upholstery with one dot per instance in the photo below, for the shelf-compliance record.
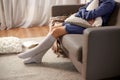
(96, 53)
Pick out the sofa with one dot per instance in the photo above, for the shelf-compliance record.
(95, 53)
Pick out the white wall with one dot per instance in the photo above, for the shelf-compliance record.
(117, 0)
(71, 1)
(84, 1)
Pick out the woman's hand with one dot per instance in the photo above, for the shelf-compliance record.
(91, 21)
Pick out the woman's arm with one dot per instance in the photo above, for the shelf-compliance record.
(104, 9)
(81, 10)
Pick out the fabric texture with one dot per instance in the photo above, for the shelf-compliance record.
(82, 22)
(73, 29)
(77, 21)
(35, 59)
(93, 5)
(10, 45)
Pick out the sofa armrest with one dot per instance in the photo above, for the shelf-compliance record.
(101, 52)
(64, 10)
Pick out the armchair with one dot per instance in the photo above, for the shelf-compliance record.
(96, 52)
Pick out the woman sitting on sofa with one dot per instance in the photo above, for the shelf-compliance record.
(104, 10)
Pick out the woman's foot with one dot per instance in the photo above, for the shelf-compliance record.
(35, 59)
(27, 54)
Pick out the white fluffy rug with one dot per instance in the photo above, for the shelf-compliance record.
(52, 68)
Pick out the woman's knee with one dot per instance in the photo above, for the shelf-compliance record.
(57, 32)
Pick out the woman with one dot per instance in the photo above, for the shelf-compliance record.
(104, 10)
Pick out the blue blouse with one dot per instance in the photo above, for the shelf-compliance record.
(104, 10)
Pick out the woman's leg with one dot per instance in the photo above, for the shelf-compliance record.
(35, 59)
(44, 46)
(41, 47)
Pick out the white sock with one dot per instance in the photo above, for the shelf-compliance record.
(43, 47)
(30, 60)
(35, 59)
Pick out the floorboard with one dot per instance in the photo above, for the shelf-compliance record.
(25, 32)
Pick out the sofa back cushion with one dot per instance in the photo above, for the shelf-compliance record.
(115, 16)
(64, 10)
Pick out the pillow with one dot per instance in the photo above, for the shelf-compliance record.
(93, 5)
(98, 22)
(81, 22)
(10, 45)
(78, 21)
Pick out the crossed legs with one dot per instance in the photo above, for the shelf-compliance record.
(36, 54)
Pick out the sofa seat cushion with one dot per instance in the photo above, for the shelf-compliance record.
(73, 43)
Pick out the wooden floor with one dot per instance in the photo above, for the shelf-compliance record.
(25, 32)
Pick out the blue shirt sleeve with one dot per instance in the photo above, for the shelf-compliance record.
(105, 7)
(81, 11)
